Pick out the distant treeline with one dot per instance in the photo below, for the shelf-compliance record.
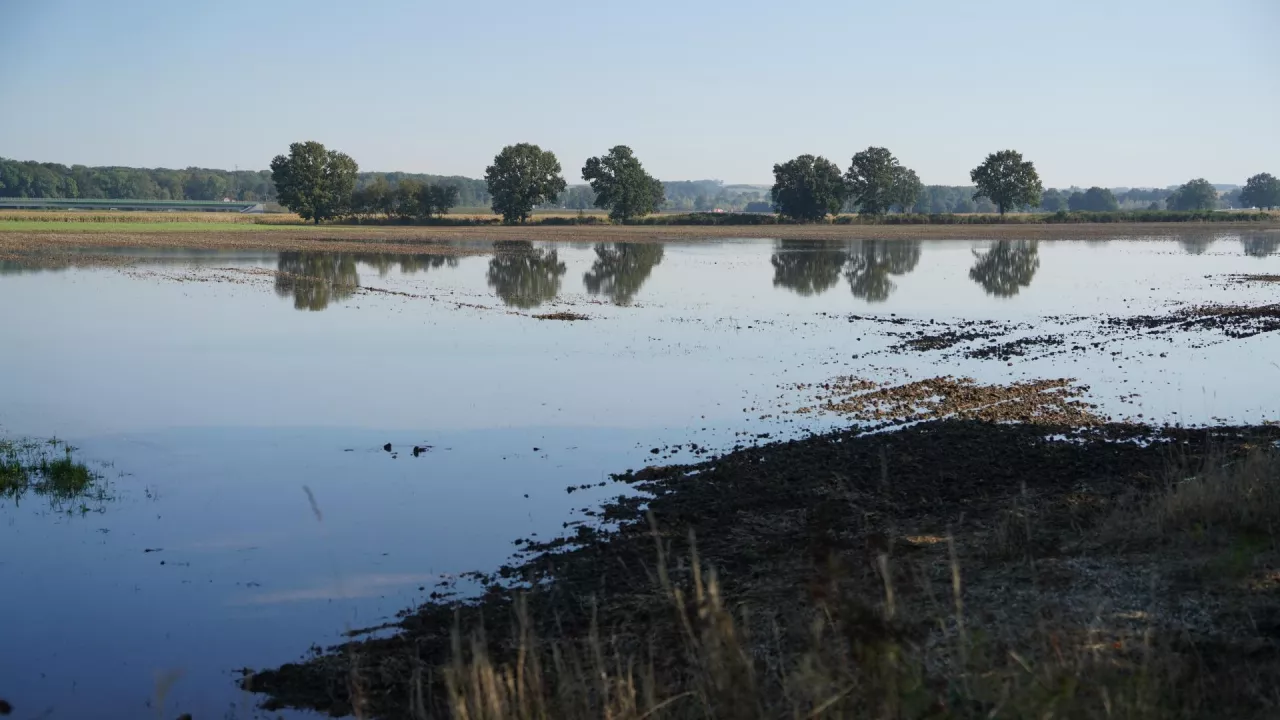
(29, 179)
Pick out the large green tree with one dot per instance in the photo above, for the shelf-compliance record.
(1261, 191)
(907, 189)
(314, 182)
(522, 177)
(1007, 180)
(807, 188)
(1198, 194)
(872, 179)
(621, 185)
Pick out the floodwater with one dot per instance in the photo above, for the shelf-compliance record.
(237, 405)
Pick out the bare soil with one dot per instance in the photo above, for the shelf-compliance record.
(821, 526)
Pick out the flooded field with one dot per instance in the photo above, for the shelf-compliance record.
(262, 451)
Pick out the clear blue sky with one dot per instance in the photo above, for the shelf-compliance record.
(1108, 92)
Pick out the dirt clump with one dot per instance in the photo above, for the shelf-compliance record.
(1234, 321)
(562, 315)
(1015, 348)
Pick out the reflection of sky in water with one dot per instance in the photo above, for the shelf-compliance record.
(220, 401)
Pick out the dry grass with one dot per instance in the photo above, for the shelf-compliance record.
(935, 656)
(1038, 610)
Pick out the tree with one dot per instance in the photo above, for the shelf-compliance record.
(621, 184)
(314, 182)
(1261, 191)
(906, 189)
(1095, 199)
(807, 188)
(521, 177)
(1197, 194)
(406, 200)
(1099, 199)
(871, 181)
(437, 200)
(1007, 180)
(1054, 201)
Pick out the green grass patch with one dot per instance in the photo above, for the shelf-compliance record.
(48, 469)
(143, 227)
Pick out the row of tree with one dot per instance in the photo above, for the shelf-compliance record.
(809, 188)
(321, 184)
(875, 182)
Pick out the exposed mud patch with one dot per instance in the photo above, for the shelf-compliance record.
(562, 315)
(1038, 401)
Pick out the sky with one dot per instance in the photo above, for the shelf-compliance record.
(1139, 93)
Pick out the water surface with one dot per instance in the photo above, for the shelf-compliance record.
(239, 404)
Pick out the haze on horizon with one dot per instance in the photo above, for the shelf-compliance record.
(1136, 93)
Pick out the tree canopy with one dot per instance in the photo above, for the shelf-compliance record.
(408, 200)
(1261, 191)
(1008, 180)
(871, 181)
(907, 189)
(314, 182)
(1054, 200)
(1197, 194)
(621, 185)
(1095, 199)
(521, 177)
(808, 188)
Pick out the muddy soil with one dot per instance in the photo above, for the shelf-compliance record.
(794, 527)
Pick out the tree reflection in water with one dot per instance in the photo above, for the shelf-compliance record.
(1260, 244)
(524, 276)
(621, 269)
(1007, 267)
(872, 262)
(1196, 244)
(807, 268)
(406, 264)
(315, 279)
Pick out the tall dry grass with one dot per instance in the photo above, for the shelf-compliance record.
(939, 659)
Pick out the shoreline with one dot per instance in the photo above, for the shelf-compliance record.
(440, 240)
